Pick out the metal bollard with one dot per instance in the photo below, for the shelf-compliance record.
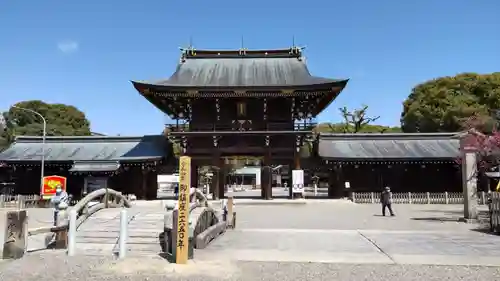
(122, 242)
(72, 233)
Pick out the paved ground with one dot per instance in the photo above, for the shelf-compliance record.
(279, 192)
(316, 241)
(36, 218)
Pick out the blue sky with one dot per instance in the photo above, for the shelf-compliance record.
(85, 52)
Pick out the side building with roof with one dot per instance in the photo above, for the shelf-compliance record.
(126, 164)
(406, 162)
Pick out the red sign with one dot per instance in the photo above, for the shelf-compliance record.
(50, 183)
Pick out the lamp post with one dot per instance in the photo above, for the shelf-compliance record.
(42, 164)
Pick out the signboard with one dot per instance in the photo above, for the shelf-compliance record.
(49, 185)
(182, 249)
(92, 184)
(298, 181)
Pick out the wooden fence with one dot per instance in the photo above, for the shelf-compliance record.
(417, 197)
(19, 201)
(495, 212)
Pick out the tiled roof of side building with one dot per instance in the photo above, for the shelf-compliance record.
(391, 146)
(88, 148)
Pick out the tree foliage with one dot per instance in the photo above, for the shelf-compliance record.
(445, 104)
(340, 128)
(355, 121)
(62, 120)
(485, 145)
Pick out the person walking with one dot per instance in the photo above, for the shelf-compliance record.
(386, 201)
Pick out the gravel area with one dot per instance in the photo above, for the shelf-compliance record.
(56, 266)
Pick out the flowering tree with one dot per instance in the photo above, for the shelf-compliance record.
(486, 145)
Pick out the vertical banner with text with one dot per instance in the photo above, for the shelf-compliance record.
(181, 254)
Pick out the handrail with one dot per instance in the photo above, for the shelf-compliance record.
(196, 193)
(84, 212)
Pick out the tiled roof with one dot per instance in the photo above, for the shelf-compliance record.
(389, 146)
(88, 148)
(260, 68)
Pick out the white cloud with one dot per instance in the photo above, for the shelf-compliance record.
(68, 46)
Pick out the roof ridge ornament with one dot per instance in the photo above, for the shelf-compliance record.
(242, 52)
(187, 52)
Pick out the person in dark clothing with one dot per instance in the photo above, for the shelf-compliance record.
(386, 201)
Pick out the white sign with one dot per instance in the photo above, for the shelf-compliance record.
(347, 184)
(298, 181)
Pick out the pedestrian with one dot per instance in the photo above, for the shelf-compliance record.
(386, 201)
(60, 197)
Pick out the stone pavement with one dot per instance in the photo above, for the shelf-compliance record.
(350, 233)
(314, 241)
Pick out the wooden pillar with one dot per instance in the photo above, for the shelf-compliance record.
(266, 178)
(144, 185)
(194, 173)
(332, 183)
(296, 161)
(335, 182)
(291, 166)
(222, 178)
(152, 188)
(214, 186)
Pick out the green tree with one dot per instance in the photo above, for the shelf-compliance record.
(355, 121)
(62, 120)
(444, 104)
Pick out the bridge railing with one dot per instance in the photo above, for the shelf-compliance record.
(16, 223)
(107, 198)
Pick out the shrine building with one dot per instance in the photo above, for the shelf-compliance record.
(224, 104)
(126, 164)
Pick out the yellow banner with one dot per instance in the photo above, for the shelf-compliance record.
(181, 254)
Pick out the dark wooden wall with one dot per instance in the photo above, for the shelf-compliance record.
(132, 180)
(399, 177)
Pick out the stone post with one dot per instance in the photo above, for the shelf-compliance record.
(16, 229)
(61, 239)
(469, 184)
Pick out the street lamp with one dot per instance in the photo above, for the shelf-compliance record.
(42, 164)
